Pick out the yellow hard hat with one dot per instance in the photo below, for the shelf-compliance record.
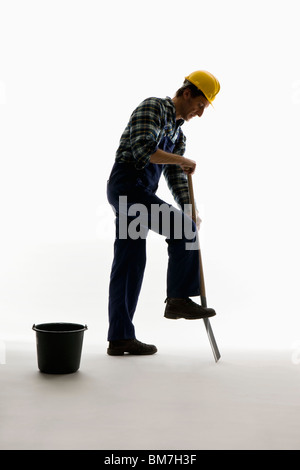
(206, 82)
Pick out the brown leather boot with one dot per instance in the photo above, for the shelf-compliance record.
(130, 346)
(186, 308)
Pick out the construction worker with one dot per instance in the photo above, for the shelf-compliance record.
(151, 144)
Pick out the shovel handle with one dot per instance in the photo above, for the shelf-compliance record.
(191, 195)
(192, 202)
(208, 327)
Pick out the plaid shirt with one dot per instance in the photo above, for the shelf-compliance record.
(152, 120)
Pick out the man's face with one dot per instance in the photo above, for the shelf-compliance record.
(192, 107)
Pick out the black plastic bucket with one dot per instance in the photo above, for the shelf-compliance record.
(59, 347)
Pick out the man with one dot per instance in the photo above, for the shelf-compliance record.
(153, 144)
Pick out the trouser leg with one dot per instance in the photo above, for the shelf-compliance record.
(183, 273)
(130, 259)
(125, 283)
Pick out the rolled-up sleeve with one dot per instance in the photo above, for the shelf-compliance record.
(146, 124)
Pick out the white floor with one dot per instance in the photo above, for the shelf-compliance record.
(176, 399)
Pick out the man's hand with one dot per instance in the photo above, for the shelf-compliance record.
(188, 166)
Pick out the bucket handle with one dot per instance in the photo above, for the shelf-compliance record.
(34, 327)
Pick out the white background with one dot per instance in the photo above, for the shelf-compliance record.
(71, 72)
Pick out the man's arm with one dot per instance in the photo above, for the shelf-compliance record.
(162, 157)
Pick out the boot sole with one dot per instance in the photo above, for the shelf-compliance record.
(115, 353)
(112, 352)
(176, 316)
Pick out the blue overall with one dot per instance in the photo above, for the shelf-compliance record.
(139, 186)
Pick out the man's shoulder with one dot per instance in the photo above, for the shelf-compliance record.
(155, 104)
(152, 101)
(147, 107)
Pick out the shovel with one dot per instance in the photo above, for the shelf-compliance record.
(208, 327)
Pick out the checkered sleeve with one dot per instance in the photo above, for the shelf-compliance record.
(176, 179)
(146, 124)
